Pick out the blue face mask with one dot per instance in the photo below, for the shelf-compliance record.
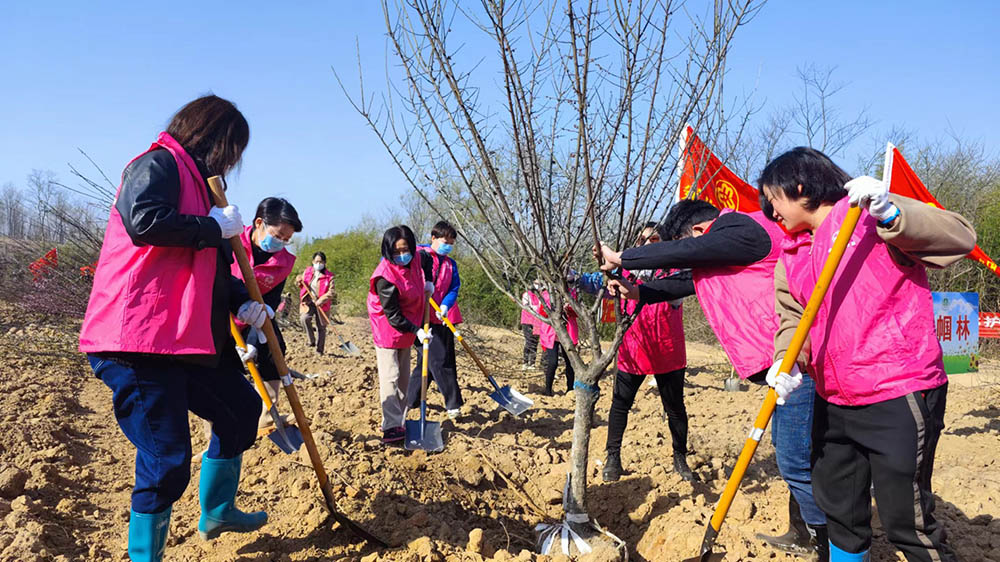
(444, 249)
(402, 259)
(271, 244)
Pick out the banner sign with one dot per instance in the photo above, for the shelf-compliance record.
(956, 320)
(989, 324)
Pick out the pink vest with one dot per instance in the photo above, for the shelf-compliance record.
(654, 343)
(442, 271)
(527, 317)
(547, 334)
(270, 273)
(153, 299)
(324, 285)
(739, 304)
(409, 281)
(873, 338)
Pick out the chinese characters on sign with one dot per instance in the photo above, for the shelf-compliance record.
(956, 321)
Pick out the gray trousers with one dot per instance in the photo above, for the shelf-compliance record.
(307, 317)
(393, 380)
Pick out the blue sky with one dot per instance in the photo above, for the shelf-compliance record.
(106, 76)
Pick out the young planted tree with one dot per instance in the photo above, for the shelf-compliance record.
(540, 128)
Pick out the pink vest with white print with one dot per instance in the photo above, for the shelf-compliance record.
(739, 304)
(873, 337)
(409, 281)
(654, 343)
(325, 281)
(153, 299)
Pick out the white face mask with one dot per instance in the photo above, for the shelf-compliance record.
(319, 267)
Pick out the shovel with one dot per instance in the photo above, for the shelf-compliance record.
(219, 195)
(422, 434)
(508, 398)
(764, 416)
(288, 439)
(345, 346)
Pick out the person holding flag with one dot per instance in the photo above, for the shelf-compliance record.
(879, 378)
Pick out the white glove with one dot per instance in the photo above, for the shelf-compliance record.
(873, 195)
(783, 383)
(428, 287)
(442, 313)
(253, 313)
(423, 337)
(229, 220)
(247, 354)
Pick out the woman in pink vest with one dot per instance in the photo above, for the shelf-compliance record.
(441, 271)
(552, 349)
(156, 330)
(880, 380)
(397, 295)
(731, 257)
(653, 345)
(529, 326)
(265, 242)
(319, 280)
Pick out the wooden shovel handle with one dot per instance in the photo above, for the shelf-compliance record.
(460, 338)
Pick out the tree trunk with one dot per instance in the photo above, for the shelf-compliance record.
(575, 501)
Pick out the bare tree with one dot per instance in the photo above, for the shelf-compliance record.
(566, 136)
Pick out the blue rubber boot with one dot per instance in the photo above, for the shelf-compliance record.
(217, 493)
(837, 555)
(147, 535)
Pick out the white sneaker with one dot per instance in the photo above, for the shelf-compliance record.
(453, 414)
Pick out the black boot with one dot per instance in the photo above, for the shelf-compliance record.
(797, 540)
(613, 467)
(820, 542)
(682, 469)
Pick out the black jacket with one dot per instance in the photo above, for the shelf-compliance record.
(147, 203)
(734, 239)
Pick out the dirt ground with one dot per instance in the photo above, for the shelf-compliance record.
(66, 469)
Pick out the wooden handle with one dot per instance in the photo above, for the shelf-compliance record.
(217, 188)
(791, 355)
(251, 365)
(322, 313)
(461, 340)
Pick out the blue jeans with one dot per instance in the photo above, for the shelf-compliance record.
(791, 433)
(151, 399)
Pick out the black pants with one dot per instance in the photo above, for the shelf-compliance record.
(551, 359)
(890, 444)
(440, 369)
(530, 344)
(671, 388)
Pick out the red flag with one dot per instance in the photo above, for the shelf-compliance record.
(903, 181)
(989, 325)
(44, 264)
(703, 176)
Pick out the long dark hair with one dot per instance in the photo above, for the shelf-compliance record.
(393, 235)
(212, 131)
(276, 211)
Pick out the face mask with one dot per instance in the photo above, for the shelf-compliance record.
(271, 244)
(319, 267)
(403, 259)
(444, 249)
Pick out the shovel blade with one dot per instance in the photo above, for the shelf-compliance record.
(512, 400)
(287, 438)
(423, 435)
(350, 349)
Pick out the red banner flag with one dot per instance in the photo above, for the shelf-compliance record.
(44, 264)
(703, 176)
(989, 325)
(903, 181)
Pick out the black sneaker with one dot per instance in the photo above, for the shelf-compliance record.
(612, 467)
(393, 435)
(682, 469)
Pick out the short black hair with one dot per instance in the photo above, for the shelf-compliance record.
(683, 215)
(276, 211)
(393, 235)
(443, 229)
(822, 181)
(320, 255)
(658, 227)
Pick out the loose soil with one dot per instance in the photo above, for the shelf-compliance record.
(66, 471)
